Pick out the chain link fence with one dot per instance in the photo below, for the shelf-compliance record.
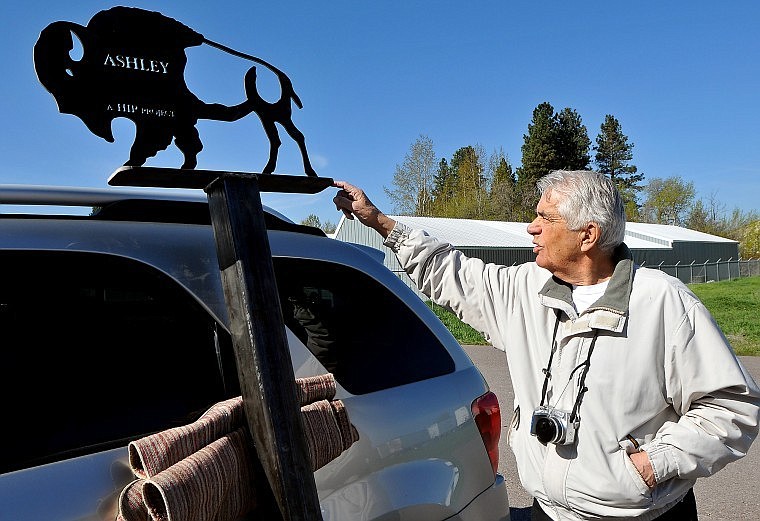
(711, 271)
(708, 271)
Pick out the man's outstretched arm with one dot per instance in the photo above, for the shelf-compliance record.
(353, 202)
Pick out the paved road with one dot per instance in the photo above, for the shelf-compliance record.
(732, 493)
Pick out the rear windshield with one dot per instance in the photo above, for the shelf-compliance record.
(360, 330)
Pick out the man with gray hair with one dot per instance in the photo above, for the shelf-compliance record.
(626, 391)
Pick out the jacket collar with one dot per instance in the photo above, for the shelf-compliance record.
(611, 310)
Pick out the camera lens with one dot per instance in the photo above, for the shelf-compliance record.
(546, 430)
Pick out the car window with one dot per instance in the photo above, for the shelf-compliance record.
(96, 350)
(360, 330)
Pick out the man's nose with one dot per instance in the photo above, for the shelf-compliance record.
(534, 228)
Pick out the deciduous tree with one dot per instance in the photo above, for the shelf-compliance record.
(667, 200)
(461, 186)
(467, 162)
(312, 220)
(708, 216)
(749, 246)
(412, 191)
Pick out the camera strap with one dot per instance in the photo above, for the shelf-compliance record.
(585, 365)
(581, 384)
(547, 372)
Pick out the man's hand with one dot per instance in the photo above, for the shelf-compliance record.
(644, 466)
(353, 202)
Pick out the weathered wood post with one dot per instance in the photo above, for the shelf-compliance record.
(263, 359)
(265, 369)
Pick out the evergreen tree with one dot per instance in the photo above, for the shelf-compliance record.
(613, 155)
(502, 172)
(554, 141)
(412, 191)
(444, 187)
(539, 150)
(572, 141)
(502, 196)
(539, 157)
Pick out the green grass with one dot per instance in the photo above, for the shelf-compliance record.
(461, 331)
(735, 304)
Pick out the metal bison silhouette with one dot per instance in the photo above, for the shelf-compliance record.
(132, 66)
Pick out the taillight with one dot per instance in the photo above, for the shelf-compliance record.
(487, 416)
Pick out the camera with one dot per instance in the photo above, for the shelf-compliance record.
(551, 425)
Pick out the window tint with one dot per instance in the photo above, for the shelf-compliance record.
(357, 328)
(97, 350)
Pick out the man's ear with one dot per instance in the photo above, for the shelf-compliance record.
(590, 236)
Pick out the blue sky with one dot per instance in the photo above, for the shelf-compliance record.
(682, 78)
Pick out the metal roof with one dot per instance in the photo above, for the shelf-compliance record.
(499, 234)
(471, 232)
(670, 233)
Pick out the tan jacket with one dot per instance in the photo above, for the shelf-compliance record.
(662, 377)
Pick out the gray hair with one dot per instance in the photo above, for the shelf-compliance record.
(587, 196)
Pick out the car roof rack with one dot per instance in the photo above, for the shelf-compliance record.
(136, 204)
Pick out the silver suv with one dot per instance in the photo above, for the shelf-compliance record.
(114, 326)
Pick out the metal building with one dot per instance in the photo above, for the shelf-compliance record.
(508, 243)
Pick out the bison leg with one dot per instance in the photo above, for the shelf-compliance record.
(189, 142)
(297, 136)
(149, 139)
(274, 144)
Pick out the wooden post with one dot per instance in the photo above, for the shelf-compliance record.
(264, 365)
(265, 370)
